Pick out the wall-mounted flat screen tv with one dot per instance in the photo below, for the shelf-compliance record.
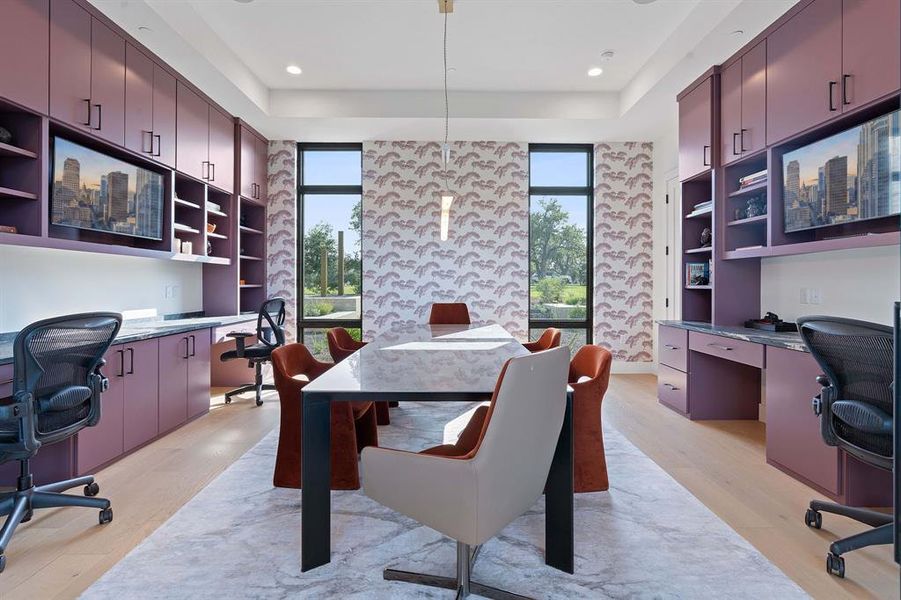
(848, 177)
(96, 192)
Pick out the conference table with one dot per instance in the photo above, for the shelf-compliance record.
(427, 363)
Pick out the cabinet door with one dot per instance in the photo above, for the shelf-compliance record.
(793, 437)
(199, 373)
(730, 112)
(141, 393)
(173, 381)
(248, 165)
(261, 165)
(164, 115)
(871, 50)
(108, 82)
(695, 119)
(753, 99)
(192, 139)
(222, 151)
(138, 101)
(804, 66)
(70, 63)
(25, 52)
(102, 443)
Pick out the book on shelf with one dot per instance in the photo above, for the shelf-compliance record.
(697, 273)
(752, 179)
(701, 208)
(750, 247)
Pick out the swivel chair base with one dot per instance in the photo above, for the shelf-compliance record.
(19, 505)
(461, 583)
(880, 534)
(258, 387)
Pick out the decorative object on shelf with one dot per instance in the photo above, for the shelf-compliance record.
(242, 282)
(243, 220)
(211, 228)
(740, 213)
(756, 206)
(697, 274)
(706, 237)
(5, 136)
(752, 179)
(8, 229)
(187, 247)
(771, 322)
(209, 248)
(177, 243)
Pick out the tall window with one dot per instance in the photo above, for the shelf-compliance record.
(560, 238)
(330, 226)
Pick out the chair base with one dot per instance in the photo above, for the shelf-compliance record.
(19, 506)
(257, 387)
(881, 533)
(461, 583)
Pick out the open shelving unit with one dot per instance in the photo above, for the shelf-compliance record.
(251, 250)
(23, 171)
(697, 303)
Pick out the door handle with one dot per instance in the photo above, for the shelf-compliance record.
(253, 190)
(87, 123)
(670, 386)
(121, 372)
(149, 134)
(721, 347)
(159, 141)
(212, 171)
(845, 79)
(193, 345)
(670, 347)
(187, 352)
(735, 151)
(832, 85)
(742, 138)
(704, 155)
(99, 117)
(131, 361)
(204, 165)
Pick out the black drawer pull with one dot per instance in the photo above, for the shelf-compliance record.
(670, 386)
(721, 347)
(90, 112)
(832, 85)
(670, 347)
(159, 140)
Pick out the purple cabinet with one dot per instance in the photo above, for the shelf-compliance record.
(695, 130)
(804, 67)
(141, 405)
(793, 439)
(108, 83)
(199, 373)
(25, 52)
(672, 388)
(164, 115)
(752, 136)
(138, 101)
(871, 50)
(193, 134)
(70, 64)
(222, 151)
(261, 166)
(173, 376)
(102, 443)
(248, 163)
(730, 112)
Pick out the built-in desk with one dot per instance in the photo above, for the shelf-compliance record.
(711, 372)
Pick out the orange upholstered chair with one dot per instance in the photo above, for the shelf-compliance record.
(549, 339)
(449, 313)
(353, 424)
(340, 346)
(589, 374)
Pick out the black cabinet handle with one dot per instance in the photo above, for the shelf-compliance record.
(131, 361)
(87, 123)
(99, 117)
(187, 351)
(158, 143)
(150, 135)
(845, 79)
(204, 174)
(193, 345)
(721, 347)
(670, 386)
(706, 149)
(742, 137)
(832, 85)
(121, 372)
(735, 151)
(670, 347)
(212, 171)
(253, 190)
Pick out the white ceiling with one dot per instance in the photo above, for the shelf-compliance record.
(372, 68)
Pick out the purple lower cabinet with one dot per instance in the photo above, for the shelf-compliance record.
(102, 443)
(672, 389)
(199, 373)
(141, 393)
(722, 389)
(173, 381)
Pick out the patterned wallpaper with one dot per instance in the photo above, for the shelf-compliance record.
(484, 262)
(623, 229)
(281, 215)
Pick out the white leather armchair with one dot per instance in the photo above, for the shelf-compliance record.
(471, 498)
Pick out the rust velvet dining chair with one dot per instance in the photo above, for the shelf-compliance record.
(340, 346)
(353, 424)
(550, 338)
(449, 313)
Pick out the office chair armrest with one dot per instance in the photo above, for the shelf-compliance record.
(22, 410)
(239, 341)
(822, 404)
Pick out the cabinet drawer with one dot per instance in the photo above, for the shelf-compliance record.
(6, 380)
(747, 353)
(671, 388)
(673, 349)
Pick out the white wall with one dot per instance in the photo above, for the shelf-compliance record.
(36, 283)
(860, 284)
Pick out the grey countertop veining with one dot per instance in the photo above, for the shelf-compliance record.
(789, 340)
(144, 329)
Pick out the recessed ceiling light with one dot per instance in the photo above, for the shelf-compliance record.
(243, 1)
(144, 28)
(643, 1)
(294, 69)
(738, 32)
(595, 71)
(607, 55)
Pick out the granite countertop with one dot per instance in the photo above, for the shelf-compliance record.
(135, 330)
(789, 340)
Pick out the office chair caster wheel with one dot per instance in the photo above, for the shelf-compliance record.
(259, 403)
(813, 518)
(228, 400)
(91, 489)
(2, 562)
(835, 565)
(106, 515)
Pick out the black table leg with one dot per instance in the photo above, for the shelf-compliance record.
(315, 526)
(558, 518)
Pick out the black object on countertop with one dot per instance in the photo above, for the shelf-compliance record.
(771, 322)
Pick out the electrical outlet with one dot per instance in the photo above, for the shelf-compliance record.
(813, 296)
(803, 296)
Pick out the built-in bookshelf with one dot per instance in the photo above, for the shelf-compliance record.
(251, 253)
(22, 172)
(697, 213)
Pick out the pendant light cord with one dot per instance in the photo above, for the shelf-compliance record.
(445, 150)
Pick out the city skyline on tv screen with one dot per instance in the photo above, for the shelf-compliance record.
(100, 193)
(851, 176)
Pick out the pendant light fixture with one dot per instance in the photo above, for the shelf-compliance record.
(447, 198)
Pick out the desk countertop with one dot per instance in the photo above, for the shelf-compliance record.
(144, 329)
(788, 340)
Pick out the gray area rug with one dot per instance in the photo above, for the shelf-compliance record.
(647, 537)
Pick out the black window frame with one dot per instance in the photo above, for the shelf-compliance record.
(320, 190)
(588, 192)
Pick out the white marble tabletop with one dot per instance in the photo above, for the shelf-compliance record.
(424, 359)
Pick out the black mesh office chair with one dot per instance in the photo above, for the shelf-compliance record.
(270, 335)
(856, 414)
(56, 394)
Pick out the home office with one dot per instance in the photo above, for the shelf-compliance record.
(602, 311)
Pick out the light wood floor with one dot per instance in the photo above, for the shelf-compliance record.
(61, 552)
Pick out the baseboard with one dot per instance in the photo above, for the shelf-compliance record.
(627, 367)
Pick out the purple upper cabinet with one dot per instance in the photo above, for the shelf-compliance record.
(141, 406)
(164, 115)
(730, 112)
(70, 64)
(193, 133)
(261, 167)
(695, 131)
(108, 82)
(871, 50)
(804, 67)
(199, 373)
(138, 101)
(25, 52)
(248, 166)
(222, 151)
(752, 136)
